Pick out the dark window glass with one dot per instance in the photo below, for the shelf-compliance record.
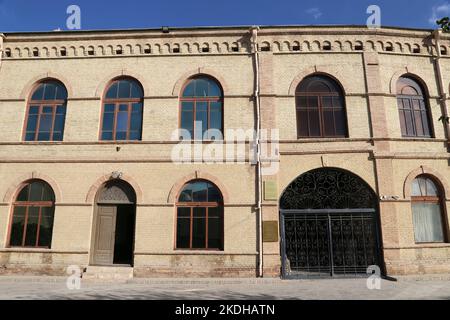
(32, 222)
(123, 111)
(201, 107)
(320, 108)
(413, 110)
(199, 217)
(47, 113)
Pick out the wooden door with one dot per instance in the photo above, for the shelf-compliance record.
(105, 235)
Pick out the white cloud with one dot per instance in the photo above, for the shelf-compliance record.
(315, 12)
(438, 12)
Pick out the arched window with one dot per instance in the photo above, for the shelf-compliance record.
(200, 217)
(46, 114)
(32, 221)
(122, 111)
(201, 107)
(320, 108)
(413, 109)
(427, 211)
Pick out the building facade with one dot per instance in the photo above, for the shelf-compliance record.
(359, 175)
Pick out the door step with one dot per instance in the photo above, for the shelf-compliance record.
(108, 273)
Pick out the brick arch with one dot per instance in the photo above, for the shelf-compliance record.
(101, 88)
(319, 70)
(14, 189)
(408, 71)
(90, 198)
(200, 71)
(176, 189)
(438, 177)
(26, 92)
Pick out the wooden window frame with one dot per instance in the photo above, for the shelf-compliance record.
(437, 200)
(117, 102)
(27, 205)
(320, 109)
(422, 99)
(209, 100)
(54, 104)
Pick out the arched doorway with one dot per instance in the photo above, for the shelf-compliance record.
(329, 220)
(114, 225)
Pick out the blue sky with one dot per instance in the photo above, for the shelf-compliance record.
(47, 15)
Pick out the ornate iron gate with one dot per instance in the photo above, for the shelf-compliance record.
(329, 226)
(333, 243)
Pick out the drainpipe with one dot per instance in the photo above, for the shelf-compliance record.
(255, 52)
(442, 92)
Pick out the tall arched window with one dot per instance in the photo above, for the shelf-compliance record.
(413, 109)
(32, 220)
(46, 114)
(122, 111)
(320, 108)
(427, 211)
(201, 107)
(200, 217)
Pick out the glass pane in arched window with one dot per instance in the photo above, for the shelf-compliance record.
(123, 111)
(320, 108)
(427, 211)
(202, 109)
(200, 217)
(32, 222)
(413, 109)
(46, 112)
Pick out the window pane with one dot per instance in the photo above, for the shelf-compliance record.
(136, 91)
(32, 227)
(107, 136)
(44, 136)
(59, 123)
(201, 118)
(214, 89)
(199, 233)
(61, 93)
(216, 116)
(136, 121)
(427, 222)
(213, 194)
(120, 136)
(214, 212)
(184, 212)
(17, 226)
(415, 190)
(432, 190)
(425, 124)
(122, 121)
(32, 123)
(340, 122)
(36, 191)
(50, 91)
(46, 123)
(183, 233)
(124, 89)
(214, 233)
(23, 195)
(189, 91)
(302, 123)
(34, 110)
(314, 123)
(187, 116)
(112, 92)
(201, 87)
(199, 192)
(39, 93)
(199, 212)
(46, 227)
(108, 121)
(110, 107)
(136, 108)
(418, 123)
(328, 120)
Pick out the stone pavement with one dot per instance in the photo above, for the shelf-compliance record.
(51, 288)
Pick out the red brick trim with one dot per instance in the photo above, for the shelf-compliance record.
(14, 189)
(411, 71)
(439, 178)
(90, 198)
(25, 94)
(206, 71)
(325, 70)
(100, 90)
(176, 189)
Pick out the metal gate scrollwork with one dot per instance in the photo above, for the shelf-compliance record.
(329, 225)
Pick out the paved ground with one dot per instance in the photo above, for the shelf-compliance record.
(46, 288)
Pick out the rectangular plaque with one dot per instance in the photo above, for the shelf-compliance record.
(270, 191)
(270, 231)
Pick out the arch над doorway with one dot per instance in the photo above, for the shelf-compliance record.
(329, 225)
(114, 225)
